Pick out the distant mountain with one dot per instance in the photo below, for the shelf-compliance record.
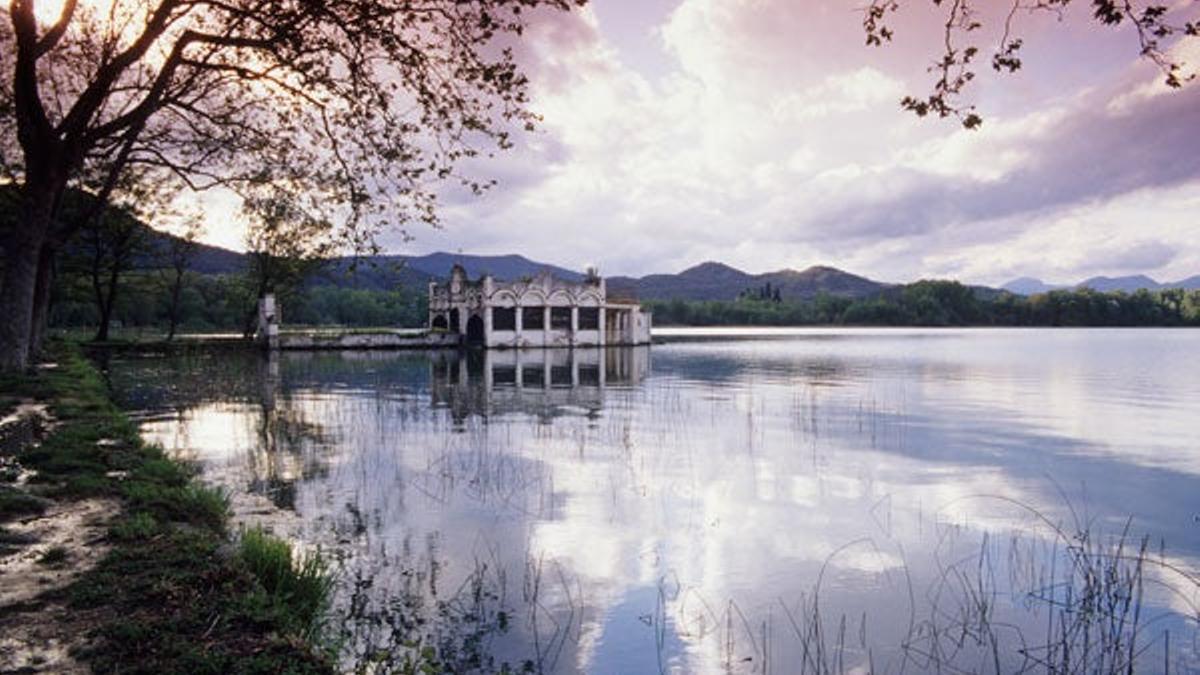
(1127, 284)
(819, 279)
(376, 272)
(1029, 286)
(503, 267)
(206, 259)
(717, 281)
(706, 281)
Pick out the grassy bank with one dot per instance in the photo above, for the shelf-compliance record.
(177, 592)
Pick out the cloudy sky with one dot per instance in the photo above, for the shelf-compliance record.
(764, 134)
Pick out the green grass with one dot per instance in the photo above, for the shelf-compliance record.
(301, 585)
(135, 527)
(172, 595)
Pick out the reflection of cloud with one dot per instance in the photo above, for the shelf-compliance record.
(744, 472)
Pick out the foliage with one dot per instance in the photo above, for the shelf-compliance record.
(766, 292)
(176, 257)
(218, 303)
(360, 109)
(963, 30)
(109, 242)
(945, 303)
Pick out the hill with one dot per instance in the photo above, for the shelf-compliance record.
(504, 267)
(376, 272)
(1191, 283)
(1126, 284)
(717, 281)
(706, 281)
(1029, 286)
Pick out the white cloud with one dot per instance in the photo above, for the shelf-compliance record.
(773, 138)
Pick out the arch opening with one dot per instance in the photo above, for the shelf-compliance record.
(475, 330)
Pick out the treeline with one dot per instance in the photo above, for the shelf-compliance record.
(943, 303)
(222, 302)
(119, 272)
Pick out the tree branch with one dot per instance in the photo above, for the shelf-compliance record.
(56, 32)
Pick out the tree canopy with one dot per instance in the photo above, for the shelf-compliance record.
(360, 109)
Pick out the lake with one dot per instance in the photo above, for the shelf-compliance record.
(792, 500)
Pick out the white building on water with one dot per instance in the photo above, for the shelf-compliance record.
(538, 312)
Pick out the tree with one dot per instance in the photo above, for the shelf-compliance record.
(113, 242)
(361, 106)
(177, 255)
(285, 245)
(964, 26)
(113, 238)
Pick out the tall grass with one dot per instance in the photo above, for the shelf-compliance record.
(1055, 599)
(1086, 586)
(302, 585)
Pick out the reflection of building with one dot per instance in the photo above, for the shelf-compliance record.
(542, 382)
(538, 312)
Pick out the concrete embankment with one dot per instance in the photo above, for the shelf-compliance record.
(321, 339)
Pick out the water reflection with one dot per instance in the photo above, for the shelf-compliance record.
(749, 506)
(544, 383)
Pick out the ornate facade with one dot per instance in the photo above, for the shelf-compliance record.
(538, 312)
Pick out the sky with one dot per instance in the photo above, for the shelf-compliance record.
(764, 134)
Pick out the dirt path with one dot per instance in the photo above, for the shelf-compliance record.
(42, 555)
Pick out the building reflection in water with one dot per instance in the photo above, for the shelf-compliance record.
(541, 382)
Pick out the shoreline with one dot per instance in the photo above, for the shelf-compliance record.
(149, 576)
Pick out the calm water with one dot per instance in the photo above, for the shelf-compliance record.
(820, 500)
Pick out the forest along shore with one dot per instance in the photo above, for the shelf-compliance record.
(115, 559)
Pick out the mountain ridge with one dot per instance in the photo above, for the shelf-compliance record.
(707, 280)
(1104, 284)
(717, 281)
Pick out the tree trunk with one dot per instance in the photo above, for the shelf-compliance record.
(22, 254)
(107, 301)
(250, 325)
(41, 300)
(173, 314)
(16, 303)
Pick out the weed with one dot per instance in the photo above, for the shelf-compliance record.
(54, 557)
